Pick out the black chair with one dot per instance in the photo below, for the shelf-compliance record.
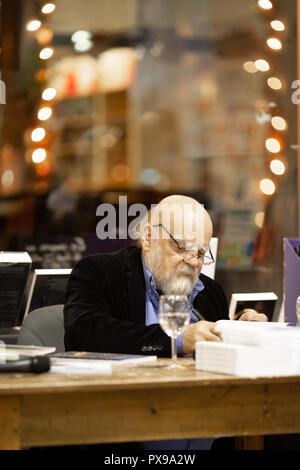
(44, 327)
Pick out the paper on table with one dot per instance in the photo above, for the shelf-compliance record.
(10, 352)
(79, 367)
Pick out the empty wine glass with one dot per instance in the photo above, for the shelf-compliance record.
(174, 317)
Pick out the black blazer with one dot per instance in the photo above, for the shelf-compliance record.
(105, 306)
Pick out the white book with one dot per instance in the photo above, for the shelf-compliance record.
(247, 361)
(258, 333)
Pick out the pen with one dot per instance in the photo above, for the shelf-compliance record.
(197, 314)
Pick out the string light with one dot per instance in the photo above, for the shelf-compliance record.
(267, 186)
(274, 44)
(277, 167)
(46, 53)
(273, 145)
(38, 134)
(44, 113)
(277, 25)
(259, 219)
(279, 123)
(265, 4)
(44, 36)
(33, 25)
(274, 83)
(262, 65)
(39, 155)
(48, 8)
(49, 94)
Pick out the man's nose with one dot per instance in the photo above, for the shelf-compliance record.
(192, 261)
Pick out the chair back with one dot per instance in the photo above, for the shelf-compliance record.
(44, 327)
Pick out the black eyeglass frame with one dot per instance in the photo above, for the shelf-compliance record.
(198, 255)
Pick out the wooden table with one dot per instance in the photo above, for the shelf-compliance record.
(144, 403)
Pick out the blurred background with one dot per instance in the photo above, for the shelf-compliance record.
(140, 98)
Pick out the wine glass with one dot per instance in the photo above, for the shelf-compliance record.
(174, 317)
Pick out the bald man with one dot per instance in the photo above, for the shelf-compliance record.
(112, 299)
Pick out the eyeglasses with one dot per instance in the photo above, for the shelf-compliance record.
(205, 257)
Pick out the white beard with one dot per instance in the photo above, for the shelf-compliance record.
(171, 283)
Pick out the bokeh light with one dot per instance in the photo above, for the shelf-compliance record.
(274, 44)
(273, 145)
(265, 4)
(267, 186)
(279, 123)
(262, 65)
(259, 219)
(274, 83)
(39, 155)
(277, 25)
(49, 94)
(33, 25)
(44, 113)
(277, 167)
(38, 134)
(46, 53)
(249, 66)
(48, 8)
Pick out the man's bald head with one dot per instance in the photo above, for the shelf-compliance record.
(184, 217)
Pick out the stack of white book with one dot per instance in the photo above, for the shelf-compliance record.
(253, 349)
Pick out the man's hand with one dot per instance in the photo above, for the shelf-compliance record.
(253, 315)
(200, 331)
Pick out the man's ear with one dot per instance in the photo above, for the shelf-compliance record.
(146, 238)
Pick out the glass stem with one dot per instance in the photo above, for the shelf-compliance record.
(174, 349)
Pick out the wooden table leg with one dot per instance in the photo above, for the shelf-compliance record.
(10, 423)
(249, 443)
